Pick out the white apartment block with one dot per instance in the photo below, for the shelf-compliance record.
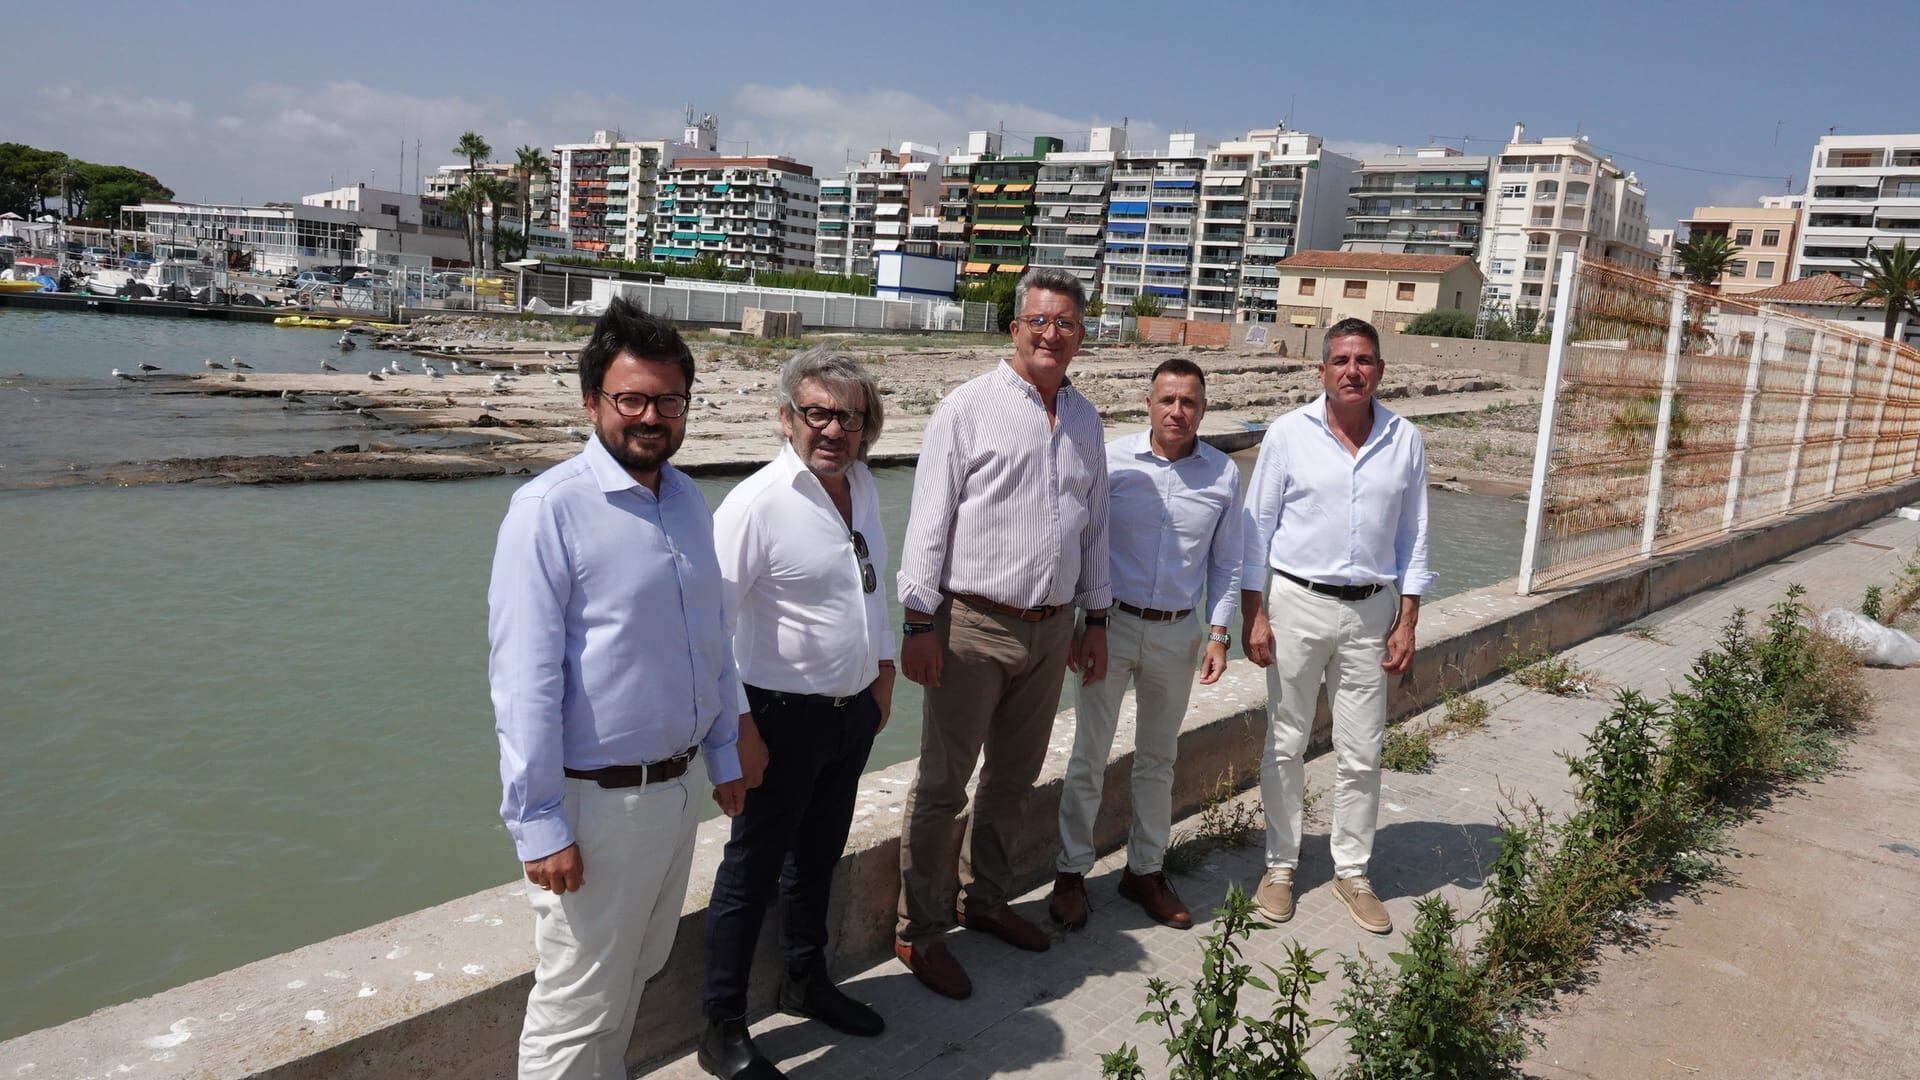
(750, 213)
(1152, 209)
(1553, 196)
(1262, 198)
(605, 189)
(1430, 202)
(1863, 191)
(1070, 206)
(867, 211)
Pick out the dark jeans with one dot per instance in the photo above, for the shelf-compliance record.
(792, 831)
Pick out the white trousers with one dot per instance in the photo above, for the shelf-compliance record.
(599, 945)
(1319, 638)
(1158, 658)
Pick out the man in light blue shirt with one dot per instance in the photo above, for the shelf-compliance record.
(1174, 520)
(610, 671)
(1337, 516)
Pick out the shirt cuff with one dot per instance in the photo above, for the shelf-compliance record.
(1253, 577)
(537, 838)
(723, 765)
(1224, 609)
(917, 598)
(1414, 583)
(1096, 598)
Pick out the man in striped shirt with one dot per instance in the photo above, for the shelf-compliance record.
(1007, 535)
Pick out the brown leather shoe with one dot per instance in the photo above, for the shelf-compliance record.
(1068, 905)
(935, 967)
(1156, 897)
(1007, 925)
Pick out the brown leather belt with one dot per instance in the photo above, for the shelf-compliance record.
(1338, 592)
(625, 776)
(1031, 614)
(1152, 614)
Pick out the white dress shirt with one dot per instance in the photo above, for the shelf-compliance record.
(801, 622)
(1175, 526)
(1318, 512)
(606, 645)
(1005, 504)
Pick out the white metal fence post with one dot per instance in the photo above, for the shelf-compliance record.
(1806, 412)
(1543, 443)
(1669, 377)
(1846, 413)
(1743, 436)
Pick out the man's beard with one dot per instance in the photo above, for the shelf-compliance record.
(639, 461)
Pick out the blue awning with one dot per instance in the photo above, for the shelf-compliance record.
(1130, 228)
(1173, 183)
(1128, 208)
(1166, 290)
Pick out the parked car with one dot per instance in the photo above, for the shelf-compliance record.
(309, 278)
(97, 254)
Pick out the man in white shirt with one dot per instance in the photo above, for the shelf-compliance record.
(801, 549)
(1337, 511)
(1173, 526)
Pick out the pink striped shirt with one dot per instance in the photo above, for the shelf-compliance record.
(1006, 506)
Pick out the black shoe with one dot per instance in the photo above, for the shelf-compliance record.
(726, 1051)
(817, 997)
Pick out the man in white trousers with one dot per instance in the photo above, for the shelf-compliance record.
(1174, 523)
(1337, 537)
(611, 672)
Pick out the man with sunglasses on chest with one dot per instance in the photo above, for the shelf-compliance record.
(1008, 535)
(801, 547)
(610, 674)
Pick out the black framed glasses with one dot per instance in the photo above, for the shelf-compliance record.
(869, 581)
(818, 417)
(633, 404)
(1039, 323)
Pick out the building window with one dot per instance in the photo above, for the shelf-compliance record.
(1743, 237)
(1737, 268)
(1513, 191)
(1764, 271)
(1355, 290)
(1306, 286)
(1770, 238)
(1402, 291)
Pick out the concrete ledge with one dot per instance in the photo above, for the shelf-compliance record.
(439, 992)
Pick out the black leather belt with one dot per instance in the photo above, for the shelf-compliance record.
(1152, 614)
(1032, 614)
(809, 699)
(625, 776)
(1338, 592)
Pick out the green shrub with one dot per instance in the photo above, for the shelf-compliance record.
(1874, 604)
(1556, 675)
(1407, 749)
(1439, 323)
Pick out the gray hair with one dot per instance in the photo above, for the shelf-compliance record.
(842, 376)
(1349, 328)
(1050, 279)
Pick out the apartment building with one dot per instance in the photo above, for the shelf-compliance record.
(1262, 198)
(1152, 210)
(1552, 196)
(1430, 202)
(750, 213)
(1389, 290)
(867, 211)
(1863, 192)
(1070, 205)
(605, 190)
(1765, 239)
(1000, 216)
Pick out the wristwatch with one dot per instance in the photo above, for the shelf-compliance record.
(1219, 638)
(908, 629)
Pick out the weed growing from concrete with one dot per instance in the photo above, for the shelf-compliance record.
(1644, 632)
(1407, 748)
(1225, 822)
(1557, 675)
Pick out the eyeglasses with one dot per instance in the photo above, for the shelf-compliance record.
(818, 418)
(868, 580)
(1039, 323)
(634, 403)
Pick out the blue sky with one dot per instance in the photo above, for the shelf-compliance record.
(256, 101)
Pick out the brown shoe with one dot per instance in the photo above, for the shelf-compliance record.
(1273, 898)
(1156, 897)
(1366, 908)
(1007, 925)
(1068, 905)
(935, 967)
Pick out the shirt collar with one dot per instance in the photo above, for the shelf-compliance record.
(1384, 418)
(1032, 391)
(613, 476)
(1143, 447)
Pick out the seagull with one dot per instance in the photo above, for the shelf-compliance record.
(118, 374)
(518, 370)
(347, 344)
(375, 376)
(394, 368)
(239, 363)
(291, 398)
(324, 366)
(432, 372)
(559, 382)
(213, 365)
(485, 405)
(457, 369)
(144, 366)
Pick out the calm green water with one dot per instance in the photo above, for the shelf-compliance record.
(241, 720)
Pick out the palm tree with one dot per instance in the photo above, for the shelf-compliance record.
(492, 192)
(461, 202)
(1706, 257)
(528, 162)
(1890, 278)
(474, 148)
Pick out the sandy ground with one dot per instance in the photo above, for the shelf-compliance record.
(518, 409)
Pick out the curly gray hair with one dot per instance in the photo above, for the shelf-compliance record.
(843, 377)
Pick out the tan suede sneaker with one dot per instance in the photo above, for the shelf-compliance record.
(1274, 898)
(1366, 908)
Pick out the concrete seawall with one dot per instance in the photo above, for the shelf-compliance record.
(439, 992)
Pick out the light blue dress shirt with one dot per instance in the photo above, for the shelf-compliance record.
(606, 634)
(1174, 526)
(1321, 513)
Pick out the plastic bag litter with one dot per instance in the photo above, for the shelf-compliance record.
(1874, 644)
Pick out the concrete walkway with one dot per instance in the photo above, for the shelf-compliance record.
(1054, 1014)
